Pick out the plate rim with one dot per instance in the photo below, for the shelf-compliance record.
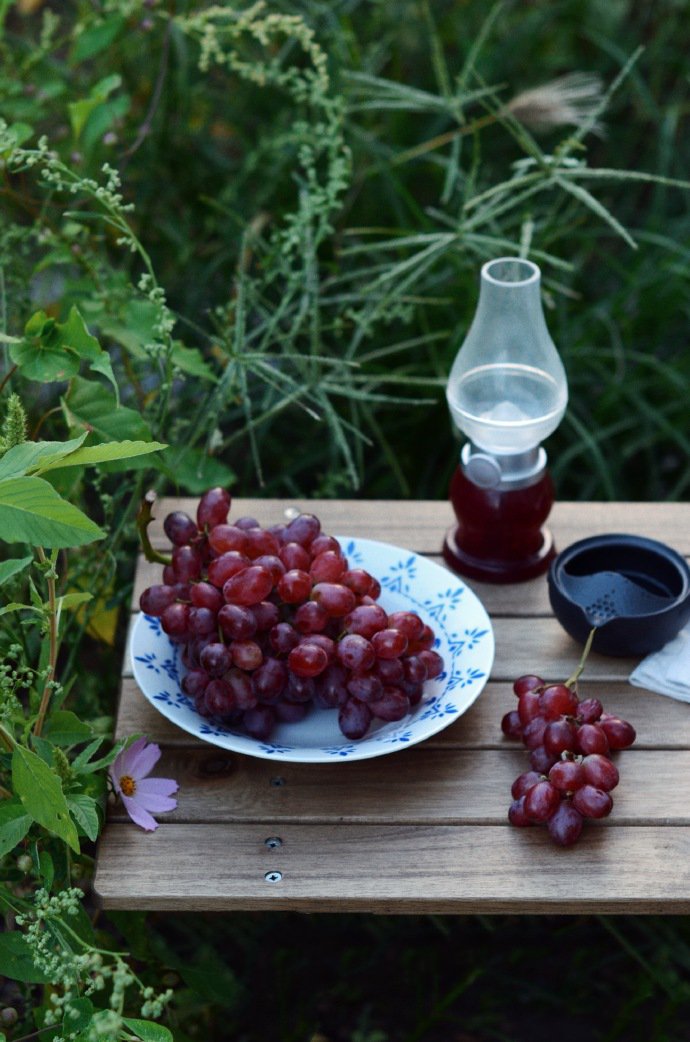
(349, 750)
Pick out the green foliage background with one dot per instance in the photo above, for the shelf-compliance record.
(228, 229)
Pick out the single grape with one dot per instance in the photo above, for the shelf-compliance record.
(392, 671)
(269, 680)
(290, 712)
(202, 621)
(356, 652)
(304, 529)
(367, 687)
(433, 662)
(187, 563)
(261, 543)
(591, 802)
(560, 736)
(408, 622)
(557, 700)
(330, 687)
(528, 707)
(236, 622)
(354, 719)
(567, 775)
(242, 688)
(392, 705)
(299, 689)
(366, 620)
(358, 580)
(414, 669)
(222, 568)
(565, 825)
(328, 567)
(337, 600)
(195, 682)
(589, 710)
(273, 564)
(424, 643)
(295, 556)
(179, 528)
(227, 537)
(510, 725)
(246, 522)
(310, 617)
(294, 587)
(600, 772)
(391, 643)
(413, 691)
(283, 638)
(218, 697)
(175, 620)
(246, 654)
(206, 595)
(541, 761)
(523, 783)
(213, 508)
(157, 598)
(249, 586)
(591, 738)
(517, 815)
(528, 682)
(259, 722)
(322, 641)
(323, 544)
(215, 659)
(541, 801)
(266, 614)
(620, 733)
(307, 660)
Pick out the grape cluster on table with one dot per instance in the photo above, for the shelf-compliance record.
(569, 743)
(274, 620)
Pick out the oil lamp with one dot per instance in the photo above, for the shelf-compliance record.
(507, 391)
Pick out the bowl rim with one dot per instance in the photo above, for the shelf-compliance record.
(561, 560)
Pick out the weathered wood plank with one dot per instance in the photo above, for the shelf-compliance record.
(421, 525)
(395, 869)
(660, 722)
(417, 786)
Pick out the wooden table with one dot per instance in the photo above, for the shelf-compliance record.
(423, 830)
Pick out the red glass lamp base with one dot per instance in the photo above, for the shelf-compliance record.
(500, 536)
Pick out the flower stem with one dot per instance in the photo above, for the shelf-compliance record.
(144, 519)
(52, 637)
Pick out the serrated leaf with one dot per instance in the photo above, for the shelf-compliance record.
(40, 791)
(31, 455)
(31, 511)
(63, 727)
(16, 959)
(84, 810)
(14, 825)
(113, 450)
(8, 569)
(148, 1031)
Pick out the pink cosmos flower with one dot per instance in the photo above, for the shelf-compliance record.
(140, 794)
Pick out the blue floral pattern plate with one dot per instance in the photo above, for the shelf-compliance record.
(464, 638)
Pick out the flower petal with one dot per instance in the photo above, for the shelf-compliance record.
(155, 803)
(157, 786)
(140, 758)
(139, 815)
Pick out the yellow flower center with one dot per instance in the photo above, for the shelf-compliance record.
(128, 785)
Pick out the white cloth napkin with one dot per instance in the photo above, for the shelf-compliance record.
(667, 671)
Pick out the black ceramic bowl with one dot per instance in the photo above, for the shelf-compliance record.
(652, 565)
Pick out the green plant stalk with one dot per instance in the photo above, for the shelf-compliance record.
(52, 637)
(574, 677)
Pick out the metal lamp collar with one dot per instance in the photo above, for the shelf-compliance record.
(505, 471)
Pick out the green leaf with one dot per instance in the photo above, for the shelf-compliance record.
(195, 471)
(16, 960)
(75, 336)
(112, 450)
(53, 351)
(148, 1031)
(44, 360)
(13, 567)
(31, 456)
(79, 111)
(40, 791)
(63, 727)
(7, 609)
(46, 869)
(31, 511)
(190, 360)
(84, 810)
(91, 407)
(73, 600)
(97, 38)
(14, 825)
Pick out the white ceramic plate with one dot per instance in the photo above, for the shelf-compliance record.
(464, 638)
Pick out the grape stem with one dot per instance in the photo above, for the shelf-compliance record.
(574, 677)
(144, 519)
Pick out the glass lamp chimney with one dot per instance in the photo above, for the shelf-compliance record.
(507, 391)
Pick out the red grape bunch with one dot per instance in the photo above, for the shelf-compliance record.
(569, 743)
(274, 620)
